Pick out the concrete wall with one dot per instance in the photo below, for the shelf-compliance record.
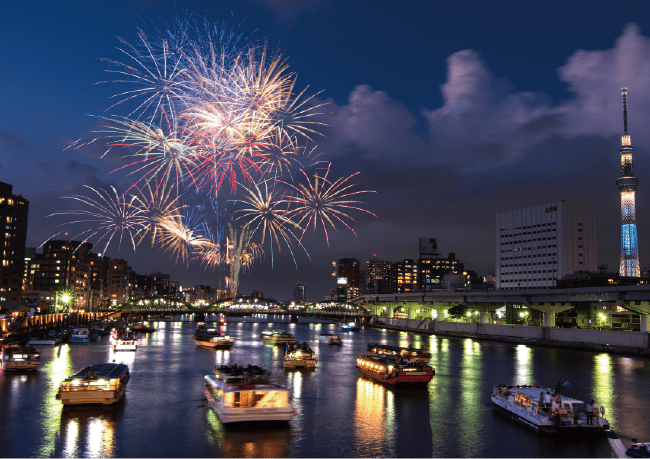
(569, 335)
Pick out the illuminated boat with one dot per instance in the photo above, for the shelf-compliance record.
(277, 337)
(409, 354)
(103, 384)
(568, 415)
(51, 339)
(350, 326)
(329, 338)
(211, 337)
(299, 355)
(17, 357)
(394, 371)
(80, 335)
(238, 394)
(143, 328)
(124, 339)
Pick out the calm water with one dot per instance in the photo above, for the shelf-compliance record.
(339, 414)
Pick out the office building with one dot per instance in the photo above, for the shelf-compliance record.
(13, 214)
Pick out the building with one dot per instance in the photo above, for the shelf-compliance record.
(13, 214)
(627, 184)
(299, 293)
(118, 282)
(378, 276)
(537, 246)
(432, 271)
(405, 276)
(348, 269)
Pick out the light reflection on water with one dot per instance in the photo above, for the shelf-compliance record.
(524, 365)
(604, 390)
(369, 426)
(471, 398)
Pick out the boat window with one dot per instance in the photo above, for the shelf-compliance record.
(580, 407)
(567, 406)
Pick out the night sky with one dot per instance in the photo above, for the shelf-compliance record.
(451, 111)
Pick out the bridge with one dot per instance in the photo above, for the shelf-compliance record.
(432, 304)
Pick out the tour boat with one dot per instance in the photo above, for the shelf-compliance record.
(299, 355)
(350, 326)
(124, 339)
(17, 357)
(103, 384)
(531, 405)
(410, 354)
(329, 338)
(277, 337)
(211, 337)
(143, 328)
(238, 394)
(80, 335)
(394, 371)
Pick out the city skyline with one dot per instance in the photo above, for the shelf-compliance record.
(449, 128)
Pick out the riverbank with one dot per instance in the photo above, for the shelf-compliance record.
(627, 343)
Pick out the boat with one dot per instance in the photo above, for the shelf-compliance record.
(124, 339)
(638, 449)
(238, 394)
(299, 355)
(393, 371)
(410, 353)
(18, 357)
(50, 339)
(211, 337)
(524, 403)
(329, 338)
(277, 337)
(80, 335)
(350, 326)
(103, 384)
(143, 328)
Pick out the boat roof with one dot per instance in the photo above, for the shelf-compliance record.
(215, 381)
(534, 391)
(19, 348)
(102, 370)
(388, 347)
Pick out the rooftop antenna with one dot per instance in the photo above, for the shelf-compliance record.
(624, 91)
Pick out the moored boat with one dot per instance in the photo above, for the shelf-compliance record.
(211, 337)
(238, 394)
(143, 328)
(299, 355)
(277, 337)
(535, 407)
(103, 384)
(394, 371)
(410, 354)
(124, 339)
(329, 338)
(638, 449)
(50, 339)
(17, 357)
(80, 335)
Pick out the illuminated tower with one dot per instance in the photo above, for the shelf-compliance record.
(627, 184)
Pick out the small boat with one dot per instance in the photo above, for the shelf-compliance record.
(143, 328)
(211, 337)
(238, 394)
(350, 326)
(394, 371)
(80, 335)
(51, 339)
(532, 405)
(638, 449)
(277, 337)
(410, 353)
(124, 339)
(103, 384)
(329, 338)
(17, 357)
(299, 355)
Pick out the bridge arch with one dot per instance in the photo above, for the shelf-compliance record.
(248, 304)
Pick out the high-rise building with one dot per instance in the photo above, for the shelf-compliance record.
(299, 293)
(405, 276)
(378, 276)
(432, 271)
(537, 246)
(348, 268)
(118, 277)
(627, 184)
(13, 215)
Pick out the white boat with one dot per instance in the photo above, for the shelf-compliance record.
(238, 394)
(299, 355)
(211, 337)
(531, 405)
(350, 326)
(277, 337)
(124, 339)
(103, 384)
(17, 357)
(329, 338)
(51, 339)
(80, 335)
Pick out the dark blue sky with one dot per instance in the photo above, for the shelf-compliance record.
(451, 111)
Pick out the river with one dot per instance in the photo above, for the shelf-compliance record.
(338, 413)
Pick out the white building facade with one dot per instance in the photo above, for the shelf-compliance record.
(537, 246)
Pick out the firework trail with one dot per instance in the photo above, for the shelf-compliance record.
(322, 201)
